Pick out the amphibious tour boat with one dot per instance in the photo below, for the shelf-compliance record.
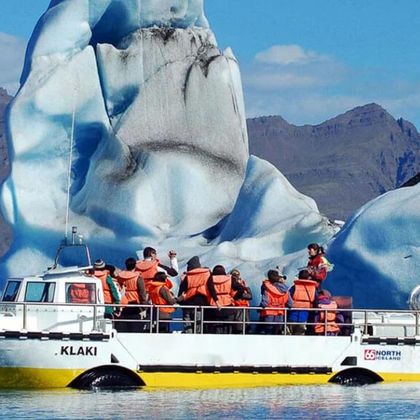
(47, 342)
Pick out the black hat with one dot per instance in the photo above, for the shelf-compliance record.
(219, 270)
(192, 263)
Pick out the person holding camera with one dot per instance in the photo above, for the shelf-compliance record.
(241, 299)
(275, 298)
(150, 265)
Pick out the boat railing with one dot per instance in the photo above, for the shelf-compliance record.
(208, 319)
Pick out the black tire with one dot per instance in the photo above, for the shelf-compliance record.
(356, 377)
(106, 378)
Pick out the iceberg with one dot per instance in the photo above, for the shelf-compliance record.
(377, 253)
(153, 113)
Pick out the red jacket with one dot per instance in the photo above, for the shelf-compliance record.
(318, 268)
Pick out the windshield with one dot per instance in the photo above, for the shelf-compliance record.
(40, 292)
(73, 255)
(11, 291)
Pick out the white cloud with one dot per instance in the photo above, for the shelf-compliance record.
(12, 53)
(271, 69)
(288, 54)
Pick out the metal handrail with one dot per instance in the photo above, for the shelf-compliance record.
(202, 323)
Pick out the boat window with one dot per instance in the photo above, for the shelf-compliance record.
(40, 292)
(80, 293)
(11, 291)
(73, 256)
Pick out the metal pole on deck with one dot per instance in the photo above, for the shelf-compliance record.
(94, 317)
(151, 320)
(285, 322)
(24, 317)
(325, 321)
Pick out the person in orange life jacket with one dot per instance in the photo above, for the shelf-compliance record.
(317, 265)
(83, 293)
(275, 295)
(329, 310)
(111, 293)
(150, 265)
(161, 294)
(225, 287)
(197, 284)
(304, 294)
(134, 290)
(241, 299)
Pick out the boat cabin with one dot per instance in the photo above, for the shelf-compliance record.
(62, 299)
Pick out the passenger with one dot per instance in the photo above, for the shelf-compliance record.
(303, 293)
(111, 294)
(113, 272)
(161, 294)
(196, 284)
(318, 266)
(225, 287)
(325, 302)
(241, 299)
(134, 290)
(275, 295)
(150, 265)
(83, 293)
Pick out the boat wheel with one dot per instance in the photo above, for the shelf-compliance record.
(107, 377)
(356, 377)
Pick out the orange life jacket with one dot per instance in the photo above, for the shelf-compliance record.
(157, 299)
(331, 315)
(102, 276)
(276, 299)
(128, 279)
(147, 269)
(223, 288)
(240, 302)
(197, 282)
(79, 293)
(304, 295)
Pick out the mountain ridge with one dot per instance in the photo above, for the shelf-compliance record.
(324, 160)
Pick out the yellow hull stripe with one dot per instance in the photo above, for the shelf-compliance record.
(400, 377)
(229, 380)
(20, 378)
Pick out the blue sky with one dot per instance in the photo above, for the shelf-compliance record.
(306, 60)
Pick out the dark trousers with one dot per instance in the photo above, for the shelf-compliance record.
(276, 328)
(130, 321)
(220, 321)
(188, 315)
(164, 327)
(238, 327)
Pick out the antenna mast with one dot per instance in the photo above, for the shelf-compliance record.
(70, 164)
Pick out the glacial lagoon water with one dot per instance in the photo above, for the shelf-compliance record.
(380, 401)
